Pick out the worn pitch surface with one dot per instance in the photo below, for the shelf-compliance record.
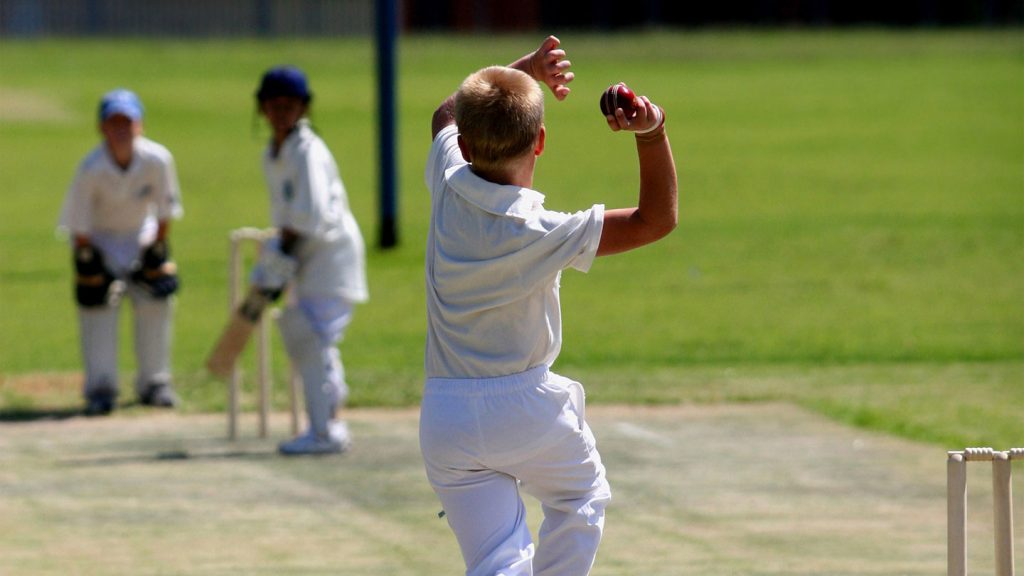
(733, 489)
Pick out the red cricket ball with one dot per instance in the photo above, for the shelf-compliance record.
(618, 96)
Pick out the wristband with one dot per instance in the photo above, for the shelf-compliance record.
(661, 122)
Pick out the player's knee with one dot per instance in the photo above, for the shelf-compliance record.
(589, 504)
(295, 329)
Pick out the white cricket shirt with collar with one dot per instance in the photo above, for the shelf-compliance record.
(105, 199)
(308, 197)
(118, 209)
(493, 264)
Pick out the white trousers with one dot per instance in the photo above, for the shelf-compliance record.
(484, 439)
(311, 330)
(98, 337)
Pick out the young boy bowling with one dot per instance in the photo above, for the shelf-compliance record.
(319, 251)
(118, 212)
(494, 418)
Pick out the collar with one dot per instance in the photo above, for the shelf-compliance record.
(112, 163)
(302, 127)
(298, 133)
(498, 199)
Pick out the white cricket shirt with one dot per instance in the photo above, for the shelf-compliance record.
(308, 196)
(104, 199)
(493, 263)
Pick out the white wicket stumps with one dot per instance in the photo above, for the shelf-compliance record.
(255, 237)
(1002, 506)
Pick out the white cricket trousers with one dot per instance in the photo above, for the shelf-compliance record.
(483, 439)
(98, 329)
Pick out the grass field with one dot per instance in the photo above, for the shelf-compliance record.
(851, 234)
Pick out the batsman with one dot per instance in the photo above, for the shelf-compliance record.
(117, 213)
(318, 255)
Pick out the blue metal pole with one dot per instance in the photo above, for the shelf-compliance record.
(387, 39)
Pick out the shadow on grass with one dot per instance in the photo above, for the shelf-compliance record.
(169, 456)
(39, 413)
(34, 414)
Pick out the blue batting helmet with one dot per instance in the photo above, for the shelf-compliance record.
(284, 81)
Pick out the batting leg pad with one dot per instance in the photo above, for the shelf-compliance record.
(319, 364)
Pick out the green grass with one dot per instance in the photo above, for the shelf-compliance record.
(851, 233)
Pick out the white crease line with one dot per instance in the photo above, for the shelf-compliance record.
(640, 433)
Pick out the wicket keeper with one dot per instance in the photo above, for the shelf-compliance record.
(118, 212)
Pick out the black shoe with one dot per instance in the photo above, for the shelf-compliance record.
(100, 402)
(160, 395)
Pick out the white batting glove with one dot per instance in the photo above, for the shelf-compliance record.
(274, 269)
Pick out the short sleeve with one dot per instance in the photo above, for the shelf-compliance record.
(76, 213)
(169, 204)
(567, 241)
(444, 154)
(592, 227)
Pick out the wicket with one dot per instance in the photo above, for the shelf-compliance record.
(255, 237)
(1002, 506)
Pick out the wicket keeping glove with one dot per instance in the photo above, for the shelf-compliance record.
(274, 269)
(94, 284)
(156, 274)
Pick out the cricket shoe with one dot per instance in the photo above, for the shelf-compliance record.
(100, 402)
(311, 443)
(159, 394)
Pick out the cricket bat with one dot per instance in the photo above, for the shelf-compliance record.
(235, 336)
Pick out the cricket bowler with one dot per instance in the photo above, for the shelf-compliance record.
(494, 418)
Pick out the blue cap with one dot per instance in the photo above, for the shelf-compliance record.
(284, 81)
(123, 102)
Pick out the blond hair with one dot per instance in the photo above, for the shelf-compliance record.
(499, 112)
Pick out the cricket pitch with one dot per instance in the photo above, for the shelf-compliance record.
(702, 490)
